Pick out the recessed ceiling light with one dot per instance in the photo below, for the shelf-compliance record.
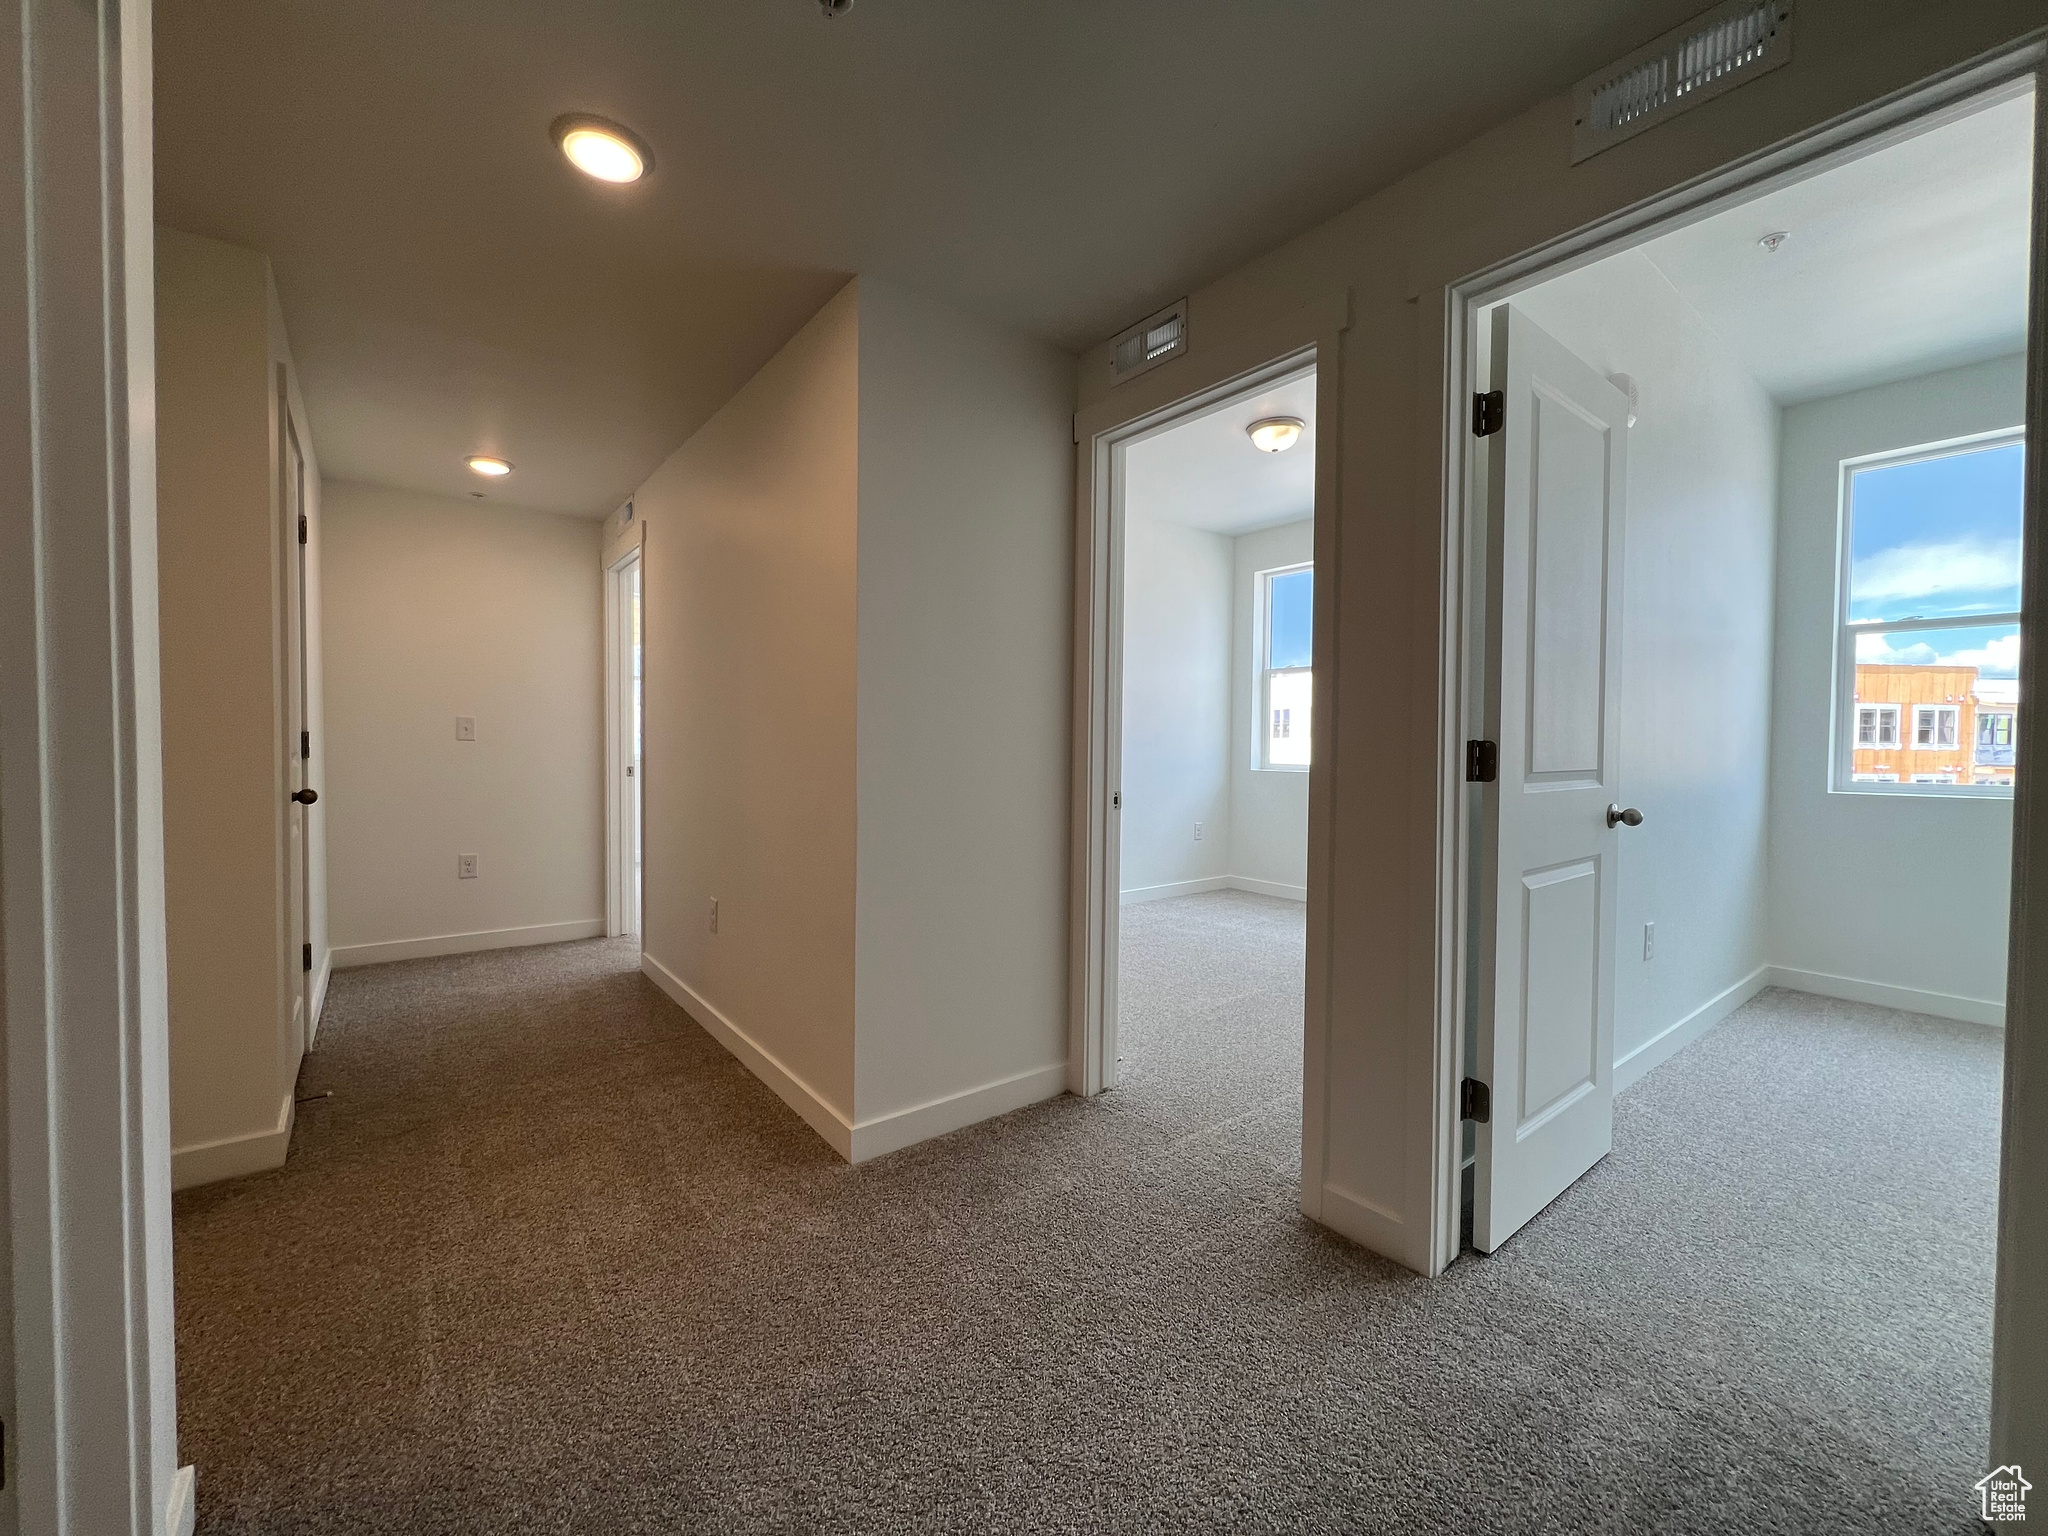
(600, 148)
(1775, 238)
(484, 464)
(1276, 434)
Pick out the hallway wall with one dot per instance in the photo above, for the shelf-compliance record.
(856, 583)
(748, 572)
(438, 608)
(223, 562)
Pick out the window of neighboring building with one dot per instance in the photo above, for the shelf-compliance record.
(1286, 608)
(1927, 692)
(1877, 725)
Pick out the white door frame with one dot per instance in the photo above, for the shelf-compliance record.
(1461, 820)
(92, 1441)
(619, 898)
(1145, 406)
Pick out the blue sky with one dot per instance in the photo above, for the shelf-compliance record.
(1293, 604)
(1939, 538)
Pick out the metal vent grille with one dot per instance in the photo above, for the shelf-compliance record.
(1150, 342)
(1715, 52)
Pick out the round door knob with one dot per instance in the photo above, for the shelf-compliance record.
(1617, 817)
(308, 796)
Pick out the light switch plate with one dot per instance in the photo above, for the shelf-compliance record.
(465, 727)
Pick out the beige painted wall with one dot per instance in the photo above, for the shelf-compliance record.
(434, 608)
(224, 558)
(1390, 259)
(748, 571)
(965, 550)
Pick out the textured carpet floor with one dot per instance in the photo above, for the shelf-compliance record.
(550, 1260)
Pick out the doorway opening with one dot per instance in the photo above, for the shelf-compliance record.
(1742, 527)
(1212, 692)
(624, 765)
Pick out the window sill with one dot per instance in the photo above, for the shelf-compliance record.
(1927, 791)
(1280, 768)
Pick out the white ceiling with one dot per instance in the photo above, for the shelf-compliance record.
(1059, 165)
(1905, 261)
(1206, 473)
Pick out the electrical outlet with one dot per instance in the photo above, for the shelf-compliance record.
(1198, 831)
(714, 914)
(465, 727)
(465, 866)
(1649, 941)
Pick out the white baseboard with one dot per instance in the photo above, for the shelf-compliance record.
(1175, 888)
(1943, 1005)
(1269, 888)
(344, 956)
(1140, 893)
(181, 1508)
(208, 1162)
(799, 1095)
(857, 1143)
(956, 1111)
(1660, 1048)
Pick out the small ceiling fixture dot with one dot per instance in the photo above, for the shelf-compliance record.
(1775, 238)
(835, 7)
(1275, 434)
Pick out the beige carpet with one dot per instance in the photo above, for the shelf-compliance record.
(550, 1260)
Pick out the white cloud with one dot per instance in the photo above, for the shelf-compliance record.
(1929, 570)
(1997, 657)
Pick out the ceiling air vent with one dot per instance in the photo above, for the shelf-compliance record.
(1728, 46)
(1150, 342)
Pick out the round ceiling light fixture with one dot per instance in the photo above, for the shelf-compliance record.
(601, 148)
(485, 464)
(1774, 239)
(1275, 434)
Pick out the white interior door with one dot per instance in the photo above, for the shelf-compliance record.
(1555, 476)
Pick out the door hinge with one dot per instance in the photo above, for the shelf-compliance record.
(1482, 762)
(305, 745)
(302, 527)
(1475, 1101)
(1489, 412)
(306, 957)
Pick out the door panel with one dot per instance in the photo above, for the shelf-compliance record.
(1555, 474)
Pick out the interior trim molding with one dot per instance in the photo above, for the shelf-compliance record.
(346, 956)
(1668, 1042)
(208, 1162)
(860, 1141)
(1142, 893)
(956, 1111)
(181, 1509)
(836, 1130)
(1882, 994)
(1253, 887)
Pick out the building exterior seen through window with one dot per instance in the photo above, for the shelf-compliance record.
(1929, 620)
(1286, 608)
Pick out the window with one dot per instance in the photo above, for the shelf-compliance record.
(1934, 727)
(1927, 691)
(1877, 725)
(1285, 614)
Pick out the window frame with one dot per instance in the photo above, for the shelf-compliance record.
(1842, 703)
(1264, 673)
